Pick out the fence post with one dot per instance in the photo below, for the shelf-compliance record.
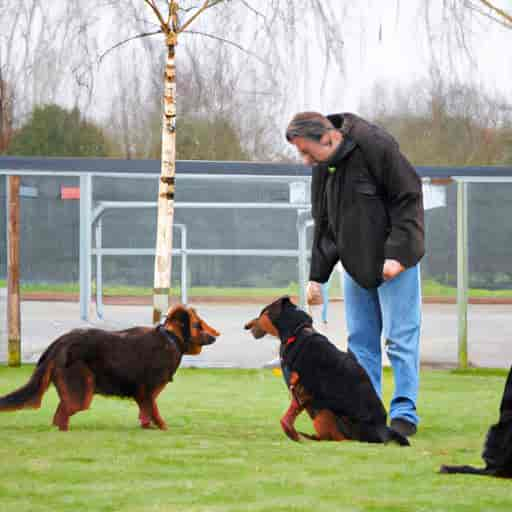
(302, 260)
(99, 268)
(85, 244)
(13, 273)
(298, 195)
(184, 265)
(462, 273)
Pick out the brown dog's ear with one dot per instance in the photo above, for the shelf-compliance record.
(176, 312)
(179, 314)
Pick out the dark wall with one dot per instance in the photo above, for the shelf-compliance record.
(50, 234)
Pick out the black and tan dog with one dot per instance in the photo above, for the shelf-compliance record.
(497, 452)
(135, 363)
(330, 384)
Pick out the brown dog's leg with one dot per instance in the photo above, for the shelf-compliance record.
(145, 409)
(75, 386)
(155, 413)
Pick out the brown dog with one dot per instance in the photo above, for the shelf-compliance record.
(330, 384)
(135, 363)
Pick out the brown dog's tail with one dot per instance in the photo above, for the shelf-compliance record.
(32, 392)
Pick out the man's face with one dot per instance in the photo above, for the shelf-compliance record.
(313, 152)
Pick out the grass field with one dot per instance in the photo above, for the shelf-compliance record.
(430, 288)
(224, 451)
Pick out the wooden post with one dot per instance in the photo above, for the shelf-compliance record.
(13, 273)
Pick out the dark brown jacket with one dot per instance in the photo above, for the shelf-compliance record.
(367, 205)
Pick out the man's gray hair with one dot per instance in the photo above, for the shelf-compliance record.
(309, 125)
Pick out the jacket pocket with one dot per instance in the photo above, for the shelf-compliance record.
(366, 189)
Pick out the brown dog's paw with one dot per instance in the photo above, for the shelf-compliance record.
(145, 421)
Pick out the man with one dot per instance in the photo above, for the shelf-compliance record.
(368, 210)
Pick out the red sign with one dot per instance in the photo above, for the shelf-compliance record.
(69, 193)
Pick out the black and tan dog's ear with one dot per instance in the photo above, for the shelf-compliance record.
(286, 300)
(249, 325)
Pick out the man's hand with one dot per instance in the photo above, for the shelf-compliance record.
(314, 293)
(391, 269)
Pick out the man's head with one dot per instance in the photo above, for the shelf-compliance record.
(314, 136)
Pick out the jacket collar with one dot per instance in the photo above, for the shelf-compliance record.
(343, 150)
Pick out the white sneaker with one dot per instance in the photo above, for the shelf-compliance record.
(274, 363)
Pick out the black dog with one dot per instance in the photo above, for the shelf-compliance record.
(340, 393)
(497, 452)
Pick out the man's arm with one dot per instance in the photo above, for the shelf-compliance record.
(403, 189)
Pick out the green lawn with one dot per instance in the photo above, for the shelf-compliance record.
(430, 288)
(224, 451)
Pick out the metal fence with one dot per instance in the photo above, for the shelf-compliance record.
(296, 177)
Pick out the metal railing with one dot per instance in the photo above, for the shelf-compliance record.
(28, 167)
(91, 217)
(99, 251)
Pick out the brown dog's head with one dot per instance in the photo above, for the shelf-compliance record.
(279, 319)
(191, 328)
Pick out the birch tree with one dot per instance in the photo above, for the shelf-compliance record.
(171, 23)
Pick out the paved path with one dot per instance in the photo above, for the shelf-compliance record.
(490, 332)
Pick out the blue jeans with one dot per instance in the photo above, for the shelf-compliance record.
(325, 300)
(393, 310)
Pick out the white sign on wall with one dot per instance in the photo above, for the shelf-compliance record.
(434, 196)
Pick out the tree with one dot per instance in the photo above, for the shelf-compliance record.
(6, 119)
(46, 53)
(445, 124)
(55, 131)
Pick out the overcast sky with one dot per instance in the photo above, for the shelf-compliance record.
(386, 43)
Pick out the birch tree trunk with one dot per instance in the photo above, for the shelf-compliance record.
(13, 272)
(163, 259)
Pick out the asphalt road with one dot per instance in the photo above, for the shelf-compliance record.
(490, 332)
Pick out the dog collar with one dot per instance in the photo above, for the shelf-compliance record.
(171, 337)
(293, 338)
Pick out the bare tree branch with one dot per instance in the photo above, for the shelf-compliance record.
(227, 41)
(157, 12)
(489, 16)
(253, 10)
(121, 43)
(500, 12)
(206, 5)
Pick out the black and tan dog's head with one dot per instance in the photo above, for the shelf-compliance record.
(190, 328)
(278, 319)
